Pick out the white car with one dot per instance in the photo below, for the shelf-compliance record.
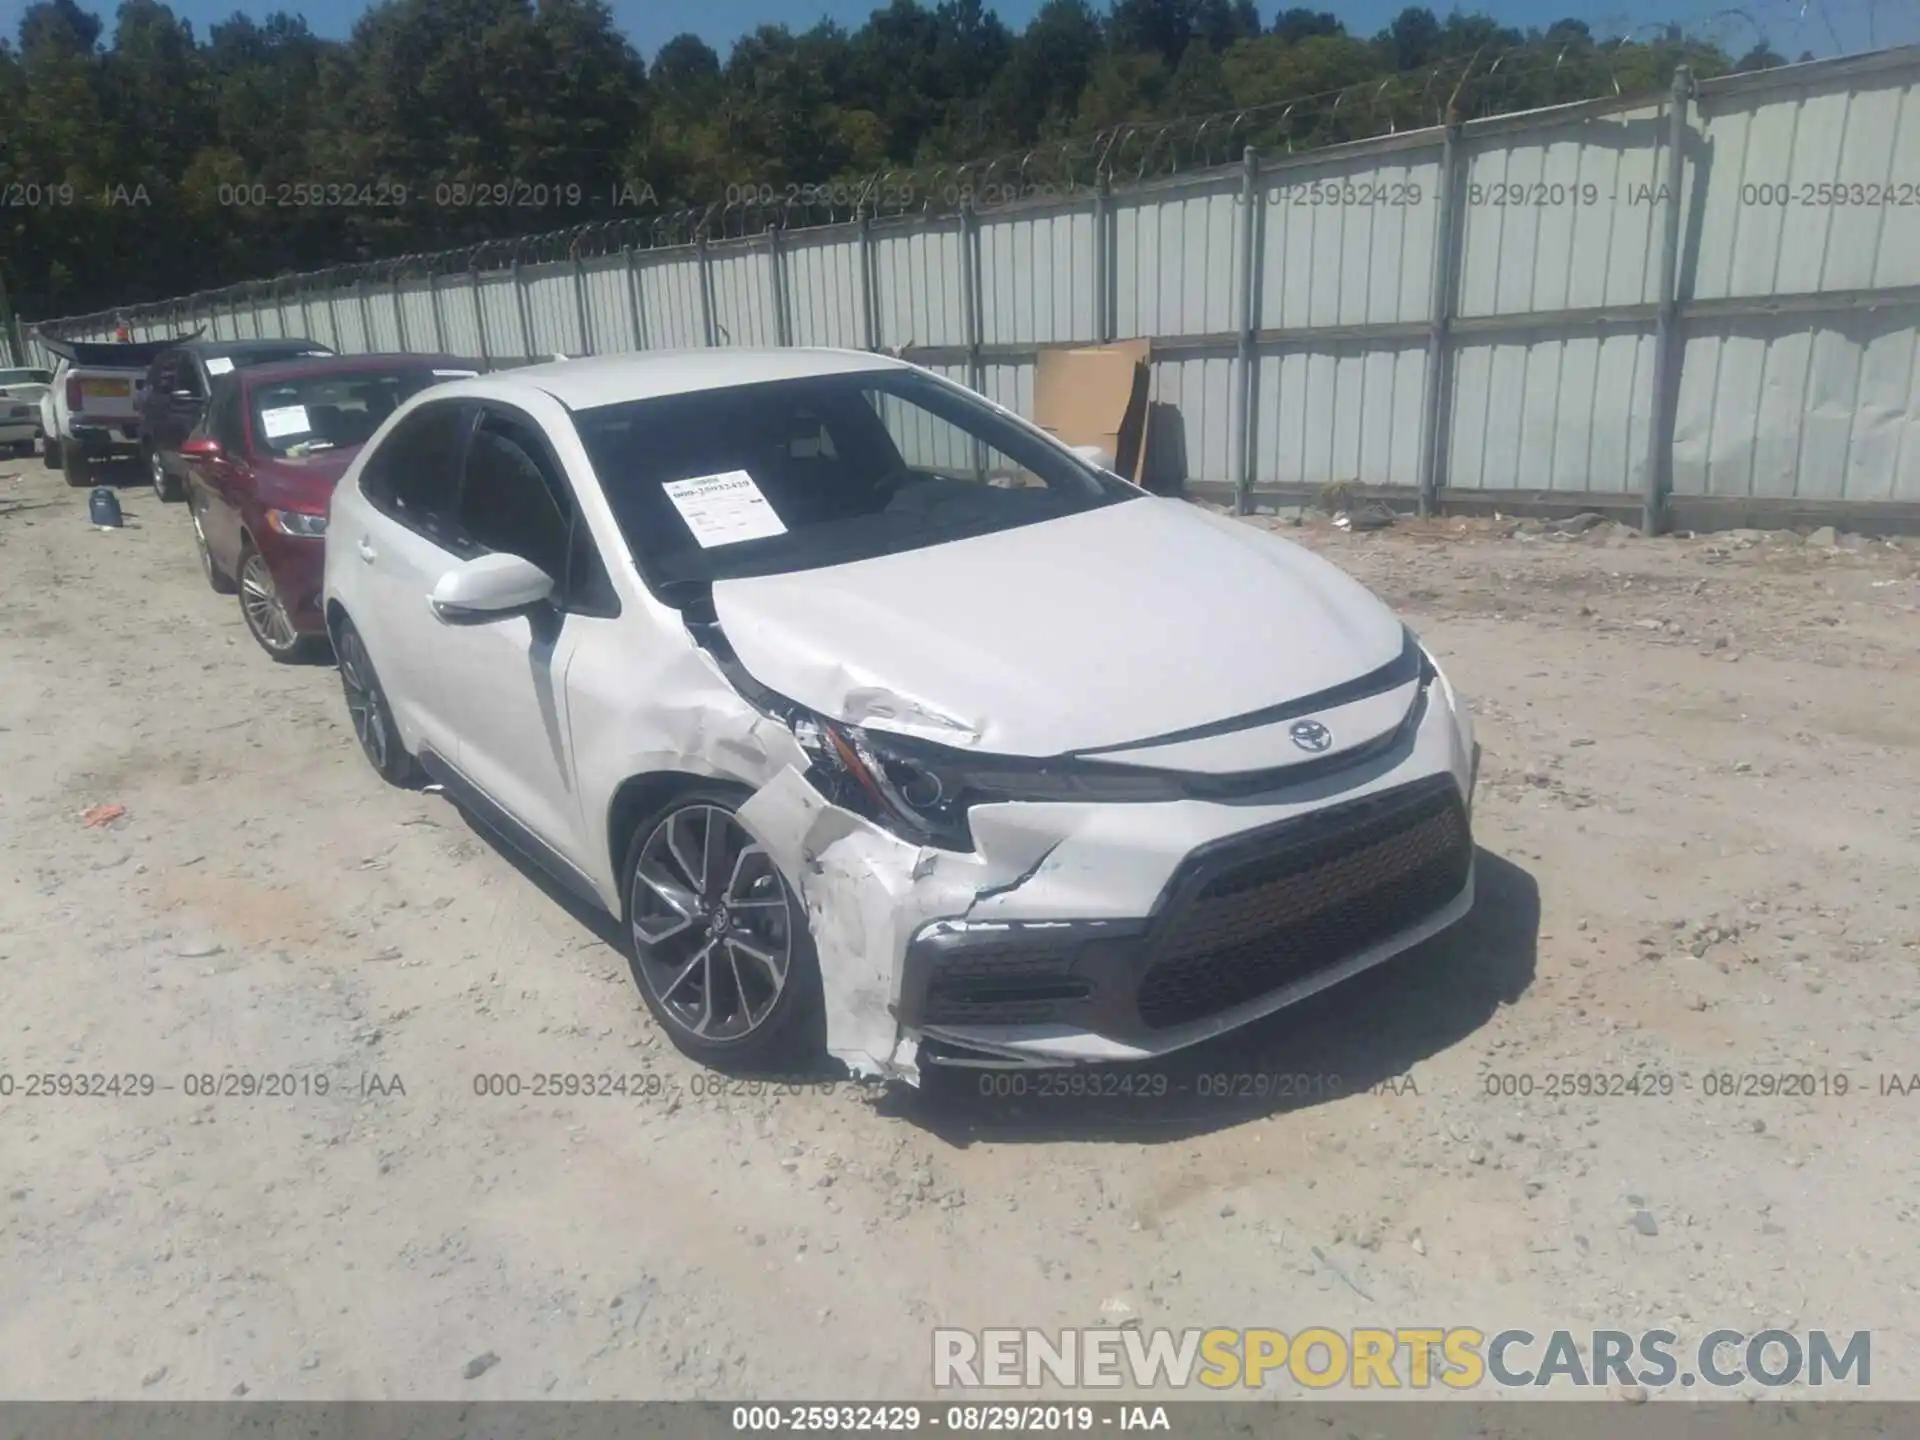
(21, 391)
(884, 721)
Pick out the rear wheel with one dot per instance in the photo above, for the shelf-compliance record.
(78, 468)
(721, 947)
(165, 486)
(373, 723)
(50, 456)
(266, 614)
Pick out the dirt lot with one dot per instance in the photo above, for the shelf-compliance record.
(1700, 843)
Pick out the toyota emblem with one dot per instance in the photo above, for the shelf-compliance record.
(1311, 735)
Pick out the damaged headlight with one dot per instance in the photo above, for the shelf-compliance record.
(911, 794)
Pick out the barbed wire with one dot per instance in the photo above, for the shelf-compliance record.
(1455, 90)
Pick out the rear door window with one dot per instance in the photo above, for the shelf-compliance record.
(414, 475)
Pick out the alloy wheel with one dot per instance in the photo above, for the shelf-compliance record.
(712, 925)
(157, 471)
(363, 701)
(260, 602)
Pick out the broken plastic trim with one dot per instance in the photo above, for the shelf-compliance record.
(862, 769)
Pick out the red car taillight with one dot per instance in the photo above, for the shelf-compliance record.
(73, 394)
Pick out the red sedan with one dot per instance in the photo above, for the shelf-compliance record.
(261, 470)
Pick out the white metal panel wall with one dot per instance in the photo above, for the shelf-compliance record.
(917, 284)
(743, 294)
(552, 306)
(1349, 243)
(419, 323)
(823, 290)
(1561, 413)
(459, 317)
(1793, 407)
(506, 327)
(383, 320)
(1810, 190)
(1565, 218)
(1173, 261)
(610, 320)
(1037, 277)
(1196, 393)
(1342, 412)
(670, 300)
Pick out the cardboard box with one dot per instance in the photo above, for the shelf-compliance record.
(1097, 395)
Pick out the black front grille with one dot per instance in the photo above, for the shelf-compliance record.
(1011, 987)
(1333, 887)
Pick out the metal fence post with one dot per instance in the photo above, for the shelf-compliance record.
(526, 316)
(306, 312)
(367, 345)
(1658, 479)
(706, 287)
(1433, 387)
(1241, 420)
(587, 346)
(869, 300)
(972, 317)
(1103, 306)
(635, 296)
(433, 307)
(399, 315)
(782, 321)
(479, 314)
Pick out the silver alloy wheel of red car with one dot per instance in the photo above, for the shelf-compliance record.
(265, 612)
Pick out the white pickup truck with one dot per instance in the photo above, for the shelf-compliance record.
(91, 411)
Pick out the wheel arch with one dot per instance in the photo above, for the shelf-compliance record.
(639, 796)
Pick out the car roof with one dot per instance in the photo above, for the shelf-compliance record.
(250, 347)
(645, 375)
(307, 366)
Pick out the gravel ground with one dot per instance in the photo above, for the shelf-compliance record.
(1699, 848)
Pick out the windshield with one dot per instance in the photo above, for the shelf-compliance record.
(26, 377)
(311, 413)
(795, 474)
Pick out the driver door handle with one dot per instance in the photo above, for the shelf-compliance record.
(367, 552)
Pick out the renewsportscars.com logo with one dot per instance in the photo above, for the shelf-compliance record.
(1418, 1358)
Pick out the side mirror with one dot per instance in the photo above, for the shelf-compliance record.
(185, 395)
(490, 586)
(200, 447)
(1093, 455)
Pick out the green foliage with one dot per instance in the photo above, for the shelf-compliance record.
(140, 161)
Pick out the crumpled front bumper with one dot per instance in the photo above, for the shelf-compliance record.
(1077, 903)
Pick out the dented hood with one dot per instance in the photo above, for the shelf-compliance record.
(1110, 627)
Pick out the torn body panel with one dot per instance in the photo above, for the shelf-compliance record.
(902, 930)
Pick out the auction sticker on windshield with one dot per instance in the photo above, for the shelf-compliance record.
(285, 420)
(219, 365)
(723, 509)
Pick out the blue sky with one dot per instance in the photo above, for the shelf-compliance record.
(1823, 26)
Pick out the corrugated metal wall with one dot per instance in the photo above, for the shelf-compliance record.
(1468, 317)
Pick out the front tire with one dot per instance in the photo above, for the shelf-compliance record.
(721, 948)
(266, 613)
(367, 705)
(166, 487)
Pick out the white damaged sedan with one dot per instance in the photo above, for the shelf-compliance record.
(883, 721)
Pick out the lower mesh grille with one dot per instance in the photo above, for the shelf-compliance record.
(1306, 903)
(1012, 988)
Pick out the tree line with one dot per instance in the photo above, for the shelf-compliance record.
(152, 162)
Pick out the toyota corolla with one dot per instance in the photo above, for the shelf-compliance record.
(883, 721)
